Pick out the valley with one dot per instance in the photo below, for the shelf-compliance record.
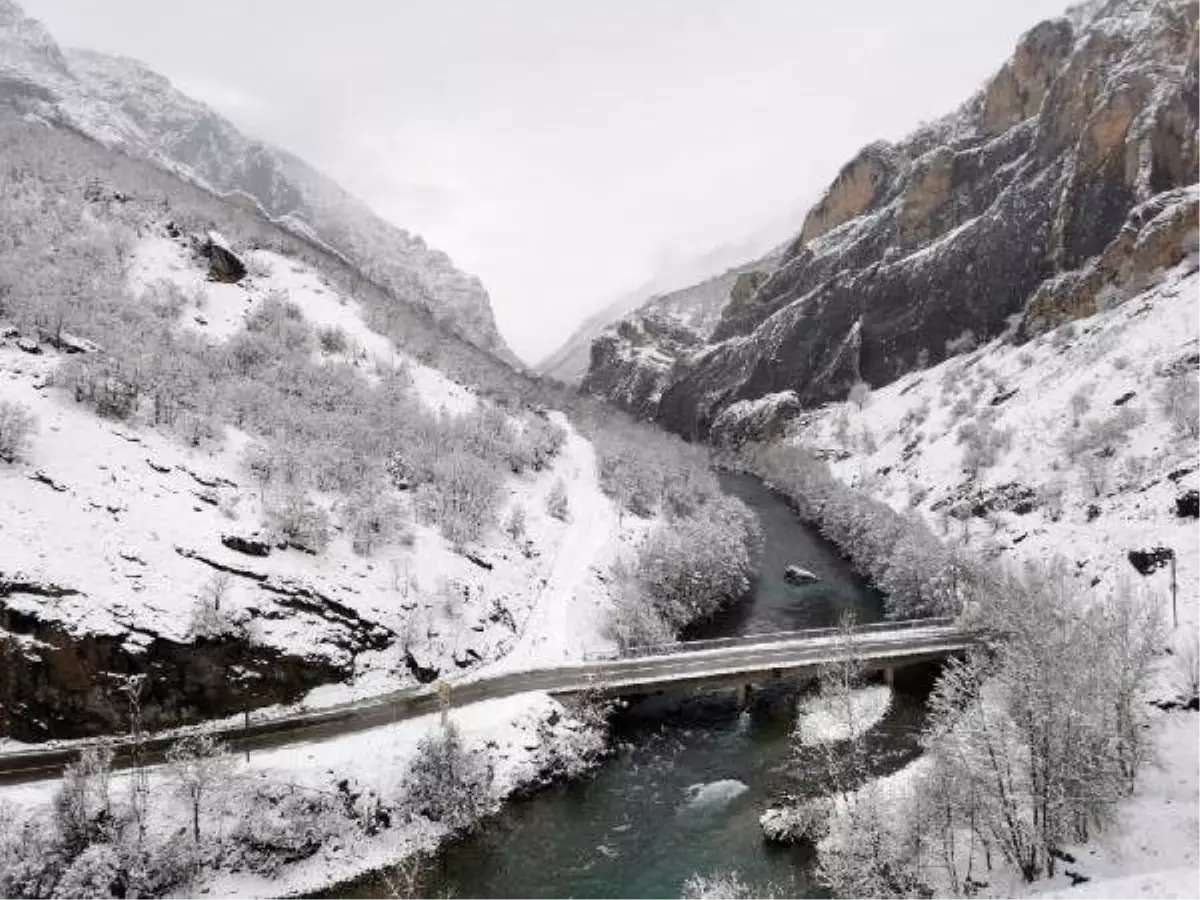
(308, 587)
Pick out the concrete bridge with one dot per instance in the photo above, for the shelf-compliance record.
(739, 662)
(762, 658)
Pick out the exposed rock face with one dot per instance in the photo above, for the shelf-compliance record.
(1069, 173)
(696, 308)
(631, 362)
(223, 265)
(54, 684)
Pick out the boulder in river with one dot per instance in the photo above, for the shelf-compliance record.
(798, 575)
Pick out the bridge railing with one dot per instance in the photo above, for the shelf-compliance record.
(766, 637)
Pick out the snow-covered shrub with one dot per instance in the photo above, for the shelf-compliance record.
(96, 872)
(1179, 399)
(1062, 336)
(631, 620)
(461, 498)
(446, 783)
(373, 517)
(283, 823)
(1080, 402)
(1186, 659)
(83, 806)
(198, 765)
(1109, 297)
(514, 526)
(17, 425)
(299, 521)
(557, 502)
(983, 443)
(688, 568)
(332, 339)
(868, 850)
(535, 444)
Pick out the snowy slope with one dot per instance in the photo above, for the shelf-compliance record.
(134, 520)
(1037, 501)
(122, 104)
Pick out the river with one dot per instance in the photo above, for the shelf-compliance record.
(692, 772)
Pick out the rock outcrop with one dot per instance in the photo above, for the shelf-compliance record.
(1070, 175)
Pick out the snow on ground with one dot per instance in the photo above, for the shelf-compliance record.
(120, 513)
(1116, 359)
(219, 310)
(822, 718)
(902, 448)
(516, 735)
(1152, 849)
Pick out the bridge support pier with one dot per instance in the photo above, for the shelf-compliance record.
(743, 695)
(889, 676)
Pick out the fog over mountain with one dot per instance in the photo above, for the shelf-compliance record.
(565, 152)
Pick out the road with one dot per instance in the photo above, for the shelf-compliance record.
(728, 661)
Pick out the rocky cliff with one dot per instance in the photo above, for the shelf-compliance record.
(122, 104)
(631, 359)
(1060, 180)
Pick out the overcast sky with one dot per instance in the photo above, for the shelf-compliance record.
(568, 151)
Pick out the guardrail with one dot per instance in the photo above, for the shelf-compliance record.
(766, 637)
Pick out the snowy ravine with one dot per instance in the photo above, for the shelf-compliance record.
(1037, 499)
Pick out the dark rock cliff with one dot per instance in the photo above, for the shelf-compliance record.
(1059, 177)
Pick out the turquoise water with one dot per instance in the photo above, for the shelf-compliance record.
(692, 772)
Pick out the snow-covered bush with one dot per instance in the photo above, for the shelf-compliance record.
(964, 343)
(17, 425)
(283, 823)
(514, 526)
(860, 393)
(688, 568)
(299, 521)
(373, 516)
(983, 444)
(1179, 399)
(1186, 661)
(332, 339)
(197, 765)
(446, 783)
(462, 496)
(557, 502)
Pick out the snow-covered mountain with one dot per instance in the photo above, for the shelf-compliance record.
(695, 307)
(1056, 183)
(124, 105)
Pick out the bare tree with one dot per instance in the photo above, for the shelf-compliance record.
(197, 763)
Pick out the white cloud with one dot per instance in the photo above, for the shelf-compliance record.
(561, 150)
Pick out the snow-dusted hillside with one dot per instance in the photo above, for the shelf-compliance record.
(115, 530)
(1067, 446)
(122, 104)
